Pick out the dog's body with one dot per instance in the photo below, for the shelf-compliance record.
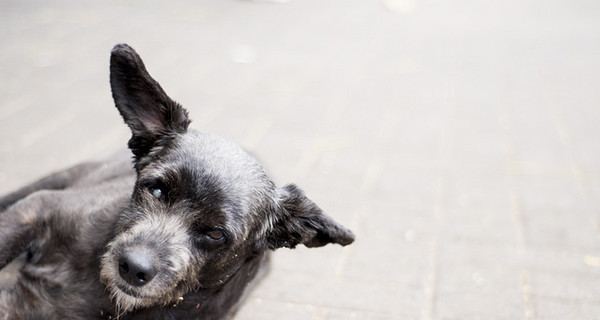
(179, 236)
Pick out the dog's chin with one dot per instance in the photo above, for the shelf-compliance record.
(126, 302)
(127, 298)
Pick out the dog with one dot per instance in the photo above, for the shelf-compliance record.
(182, 233)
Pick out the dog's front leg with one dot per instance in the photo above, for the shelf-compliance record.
(55, 181)
(21, 223)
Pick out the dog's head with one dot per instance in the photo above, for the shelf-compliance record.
(201, 206)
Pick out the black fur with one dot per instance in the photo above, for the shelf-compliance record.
(183, 236)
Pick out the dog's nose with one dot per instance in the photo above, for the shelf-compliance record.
(135, 267)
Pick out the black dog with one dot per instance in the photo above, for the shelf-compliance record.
(180, 236)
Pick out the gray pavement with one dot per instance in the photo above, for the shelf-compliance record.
(459, 139)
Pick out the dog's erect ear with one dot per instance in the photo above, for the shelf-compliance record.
(145, 107)
(298, 220)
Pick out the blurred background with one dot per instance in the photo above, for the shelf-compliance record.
(458, 139)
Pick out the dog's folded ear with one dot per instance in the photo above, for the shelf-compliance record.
(298, 220)
(143, 104)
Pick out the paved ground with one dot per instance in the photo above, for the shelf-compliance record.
(458, 139)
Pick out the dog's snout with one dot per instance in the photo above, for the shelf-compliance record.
(136, 267)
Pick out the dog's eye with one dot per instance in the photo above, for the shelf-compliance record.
(215, 234)
(157, 193)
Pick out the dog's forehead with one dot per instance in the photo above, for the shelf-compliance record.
(216, 156)
(201, 160)
(217, 173)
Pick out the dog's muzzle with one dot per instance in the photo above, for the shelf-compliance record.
(149, 263)
(137, 267)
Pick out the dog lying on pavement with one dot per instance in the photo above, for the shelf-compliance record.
(181, 235)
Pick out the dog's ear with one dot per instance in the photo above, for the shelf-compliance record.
(145, 107)
(298, 220)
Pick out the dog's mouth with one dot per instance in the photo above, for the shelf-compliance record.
(127, 297)
(128, 290)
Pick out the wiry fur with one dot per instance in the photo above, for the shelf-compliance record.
(180, 237)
